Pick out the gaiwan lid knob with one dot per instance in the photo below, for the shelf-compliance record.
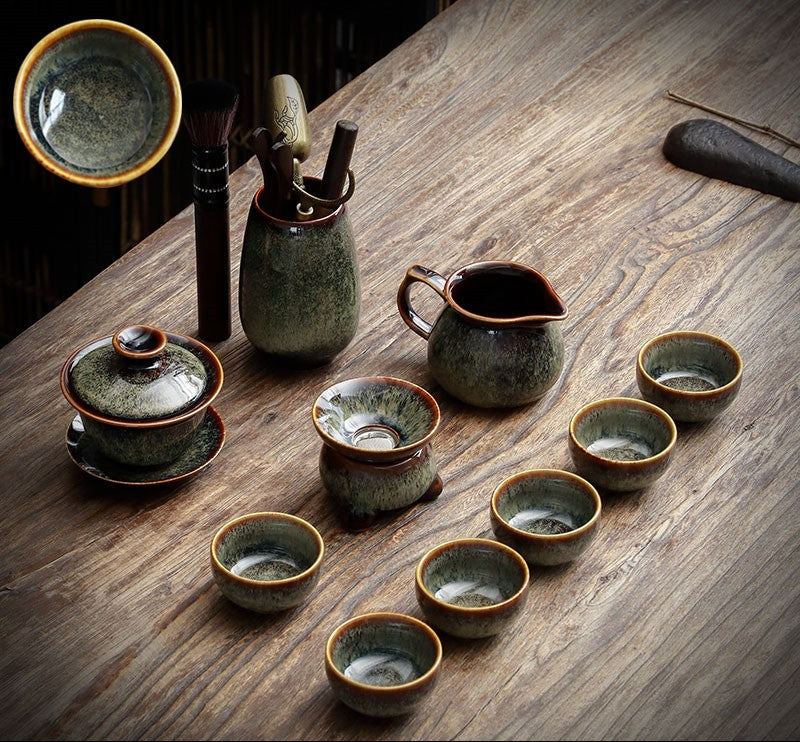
(137, 375)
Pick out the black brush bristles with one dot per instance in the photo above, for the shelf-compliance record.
(209, 107)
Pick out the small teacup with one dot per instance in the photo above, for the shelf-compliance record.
(621, 443)
(693, 376)
(383, 664)
(376, 453)
(547, 515)
(471, 587)
(267, 562)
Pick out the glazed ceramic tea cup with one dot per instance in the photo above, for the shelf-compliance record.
(693, 376)
(142, 393)
(620, 443)
(97, 103)
(299, 283)
(377, 453)
(471, 587)
(267, 562)
(383, 664)
(547, 515)
(497, 341)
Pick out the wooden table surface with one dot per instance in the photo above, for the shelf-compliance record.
(529, 131)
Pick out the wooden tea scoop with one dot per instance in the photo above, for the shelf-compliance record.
(338, 162)
(713, 149)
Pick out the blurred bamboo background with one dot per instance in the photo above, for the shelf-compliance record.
(57, 235)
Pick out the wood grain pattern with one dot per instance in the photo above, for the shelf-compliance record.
(502, 130)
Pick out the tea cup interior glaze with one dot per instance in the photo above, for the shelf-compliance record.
(548, 515)
(692, 375)
(382, 664)
(622, 430)
(471, 574)
(546, 503)
(267, 561)
(97, 102)
(268, 547)
(621, 443)
(471, 587)
(377, 419)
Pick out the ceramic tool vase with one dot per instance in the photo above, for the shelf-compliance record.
(299, 284)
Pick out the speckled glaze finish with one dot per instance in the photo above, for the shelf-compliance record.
(299, 285)
(471, 587)
(142, 393)
(363, 490)
(693, 376)
(97, 102)
(204, 447)
(383, 664)
(356, 416)
(377, 453)
(546, 515)
(620, 443)
(267, 562)
(497, 341)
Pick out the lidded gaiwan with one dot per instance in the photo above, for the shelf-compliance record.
(142, 393)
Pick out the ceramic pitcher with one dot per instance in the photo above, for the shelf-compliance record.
(299, 285)
(497, 341)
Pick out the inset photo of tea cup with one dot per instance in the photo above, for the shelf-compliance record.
(497, 341)
(620, 443)
(376, 451)
(549, 516)
(471, 587)
(267, 562)
(383, 664)
(691, 375)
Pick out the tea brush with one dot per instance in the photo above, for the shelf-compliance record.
(209, 107)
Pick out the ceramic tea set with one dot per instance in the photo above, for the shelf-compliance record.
(144, 415)
(143, 400)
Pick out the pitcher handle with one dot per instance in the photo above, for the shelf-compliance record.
(410, 317)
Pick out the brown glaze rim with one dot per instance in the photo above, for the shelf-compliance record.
(298, 223)
(624, 402)
(190, 343)
(170, 76)
(270, 516)
(683, 393)
(378, 618)
(210, 411)
(489, 265)
(378, 457)
(483, 543)
(567, 476)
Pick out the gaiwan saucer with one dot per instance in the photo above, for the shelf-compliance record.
(208, 443)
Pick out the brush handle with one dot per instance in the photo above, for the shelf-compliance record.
(212, 241)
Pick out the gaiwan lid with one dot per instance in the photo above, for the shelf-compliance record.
(141, 375)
